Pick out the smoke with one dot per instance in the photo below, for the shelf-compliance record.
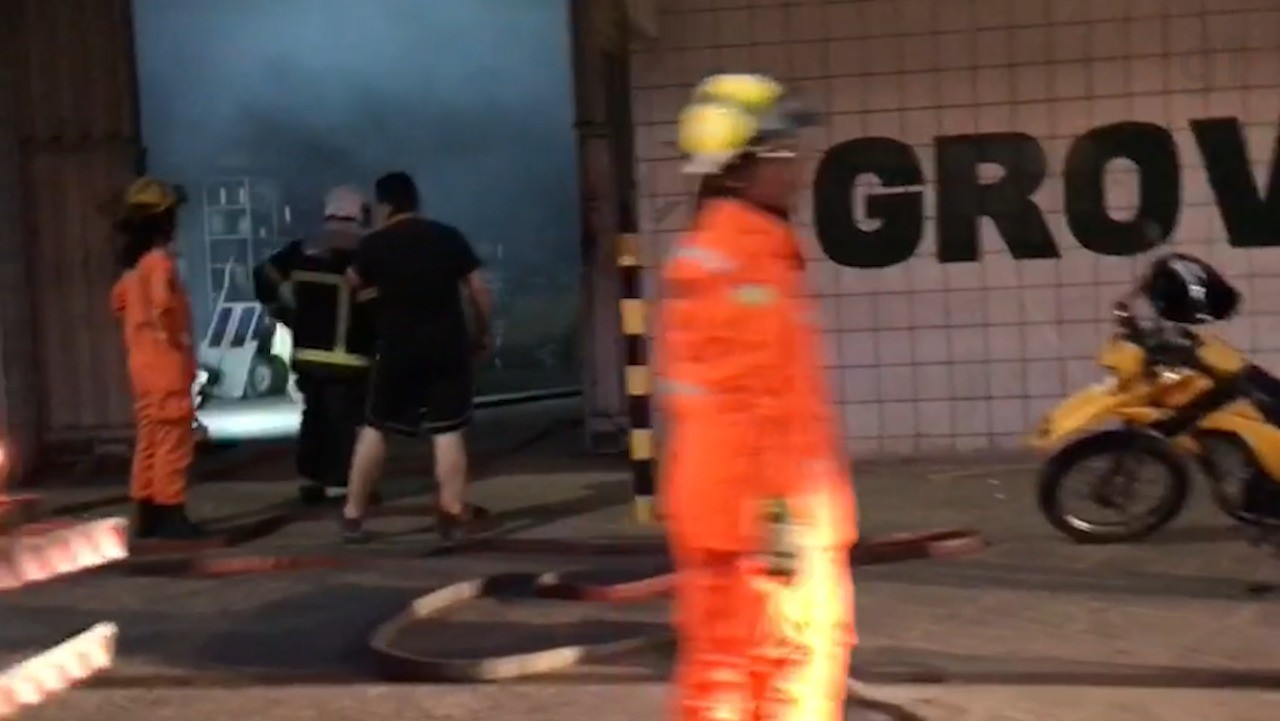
(474, 98)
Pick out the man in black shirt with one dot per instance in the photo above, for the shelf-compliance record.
(422, 376)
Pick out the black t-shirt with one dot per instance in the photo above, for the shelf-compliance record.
(417, 265)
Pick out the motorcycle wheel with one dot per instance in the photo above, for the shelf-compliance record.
(1120, 445)
(1229, 465)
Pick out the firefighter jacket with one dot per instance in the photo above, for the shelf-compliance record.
(743, 386)
(332, 322)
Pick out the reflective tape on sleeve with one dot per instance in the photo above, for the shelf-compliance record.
(710, 260)
(755, 294)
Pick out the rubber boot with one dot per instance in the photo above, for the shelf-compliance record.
(173, 524)
(143, 524)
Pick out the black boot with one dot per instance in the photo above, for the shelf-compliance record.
(143, 523)
(173, 524)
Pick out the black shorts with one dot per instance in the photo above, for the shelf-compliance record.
(408, 393)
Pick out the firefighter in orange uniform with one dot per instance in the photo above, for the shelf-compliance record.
(755, 488)
(155, 315)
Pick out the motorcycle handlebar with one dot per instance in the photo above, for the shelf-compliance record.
(1176, 348)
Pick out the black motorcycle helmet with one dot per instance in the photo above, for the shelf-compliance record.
(1185, 289)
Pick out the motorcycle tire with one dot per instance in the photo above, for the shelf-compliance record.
(1220, 456)
(1109, 443)
(1225, 461)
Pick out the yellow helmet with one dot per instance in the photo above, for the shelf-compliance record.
(731, 114)
(754, 93)
(146, 196)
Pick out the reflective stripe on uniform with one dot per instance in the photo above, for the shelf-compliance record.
(331, 357)
(679, 388)
(755, 294)
(710, 260)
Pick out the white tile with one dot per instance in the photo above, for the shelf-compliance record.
(928, 309)
(893, 346)
(1004, 342)
(1002, 307)
(1183, 35)
(967, 344)
(965, 308)
(1039, 305)
(1008, 415)
(920, 52)
(993, 47)
(1045, 378)
(932, 381)
(1069, 42)
(1081, 372)
(862, 420)
(934, 418)
(1006, 379)
(896, 383)
(857, 348)
(1262, 33)
(867, 448)
(860, 385)
(929, 345)
(892, 310)
(972, 417)
(1030, 12)
(953, 16)
(898, 419)
(769, 24)
(1041, 342)
(995, 85)
(899, 445)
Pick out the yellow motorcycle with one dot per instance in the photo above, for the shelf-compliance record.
(1175, 400)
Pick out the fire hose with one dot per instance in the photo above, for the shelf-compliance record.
(220, 556)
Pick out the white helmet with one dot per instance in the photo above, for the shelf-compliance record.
(344, 202)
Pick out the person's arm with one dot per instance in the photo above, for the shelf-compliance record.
(475, 288)
(362, 273)
(480, 296)
(271, 280)
(160, 280)
(353, 278)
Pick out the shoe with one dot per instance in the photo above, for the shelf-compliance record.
(473, 519)
(353, 531)
(312, 493)
(143, 523)
(172, 524)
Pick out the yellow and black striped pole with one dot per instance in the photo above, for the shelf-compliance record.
(639, 379)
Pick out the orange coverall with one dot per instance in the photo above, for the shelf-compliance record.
(741, 381)
(156, 316)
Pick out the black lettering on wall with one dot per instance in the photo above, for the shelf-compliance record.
(962, 199)
(901, 212)
(1252, 220)
(1154, 151)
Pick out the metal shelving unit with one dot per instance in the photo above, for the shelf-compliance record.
(241, 228)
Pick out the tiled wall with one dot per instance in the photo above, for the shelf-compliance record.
(935, 357)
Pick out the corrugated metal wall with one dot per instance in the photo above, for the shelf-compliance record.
(78, 132)
(599, 30)
(18, 400)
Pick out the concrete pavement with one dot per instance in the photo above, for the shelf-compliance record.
(1035, 629)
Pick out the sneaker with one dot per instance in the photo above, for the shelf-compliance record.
(472, 519)
(353, 530)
